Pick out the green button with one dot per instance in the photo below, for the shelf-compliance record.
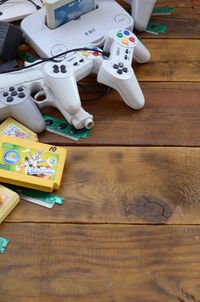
(120, 35)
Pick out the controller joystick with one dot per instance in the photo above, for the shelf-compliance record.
(16, 101)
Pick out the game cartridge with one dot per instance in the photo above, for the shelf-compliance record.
(13, 128)
(8, 201)
(31, 164)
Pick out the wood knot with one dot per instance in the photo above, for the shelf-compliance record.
(151, 208)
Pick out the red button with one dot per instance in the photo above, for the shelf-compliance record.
(95, 53)
(132, 39)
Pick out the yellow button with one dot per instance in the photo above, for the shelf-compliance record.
(86, 53)
(125, 41)
(1, 198)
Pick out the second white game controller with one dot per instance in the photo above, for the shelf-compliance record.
(117, 72)
(16, 101)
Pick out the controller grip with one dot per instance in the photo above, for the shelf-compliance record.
(141, 53)
(28, 114)
(127, 86)
(65, 91)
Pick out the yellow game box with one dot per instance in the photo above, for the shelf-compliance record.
(13, 128)
(8, 201)
(31, 164)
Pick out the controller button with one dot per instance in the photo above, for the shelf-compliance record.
(56, 71)
(126, 51)
(86, 53)
(115, 66)
(5, 93)
(120, 35)
(9, 99)
(126, 32)
(125, 57)
(119, 71)
(125, 69)
(132, 39)
(48, 122)
(21, 95)
(14, 93)
(62, 126)
(121, 65)
(95, 48)
(55, 66)
(75, 63)
(63, 70)
(20, 88)
(95, 53)
(63, 67)
(81, 60)
(11, 88)
(125, 41)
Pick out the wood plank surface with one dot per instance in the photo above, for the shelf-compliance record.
(124, 185)
(183, 23)
(128, 230)
(51, 263)
(169, 117)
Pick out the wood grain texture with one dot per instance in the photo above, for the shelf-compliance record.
(169, 117)
(124, 185)
(183, 23)
(51, 263)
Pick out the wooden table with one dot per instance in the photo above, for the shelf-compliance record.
(129, 228)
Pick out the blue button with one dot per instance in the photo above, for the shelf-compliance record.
(126, 32)
(95, 48)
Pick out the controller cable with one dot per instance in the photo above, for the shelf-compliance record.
(103, 53)
(102, 93)
(39, 61)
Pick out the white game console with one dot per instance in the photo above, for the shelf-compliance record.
(17, 9)
(141, 11)
(89, 30)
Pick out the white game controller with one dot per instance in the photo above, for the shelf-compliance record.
(16, 101)
(141, 11)
(117, 71)
(56, 83)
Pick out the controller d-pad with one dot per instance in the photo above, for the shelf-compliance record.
(58, 69)
(120, 68)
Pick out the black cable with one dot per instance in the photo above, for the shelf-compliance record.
(54, 57)
(37, 6)
(103, 93)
